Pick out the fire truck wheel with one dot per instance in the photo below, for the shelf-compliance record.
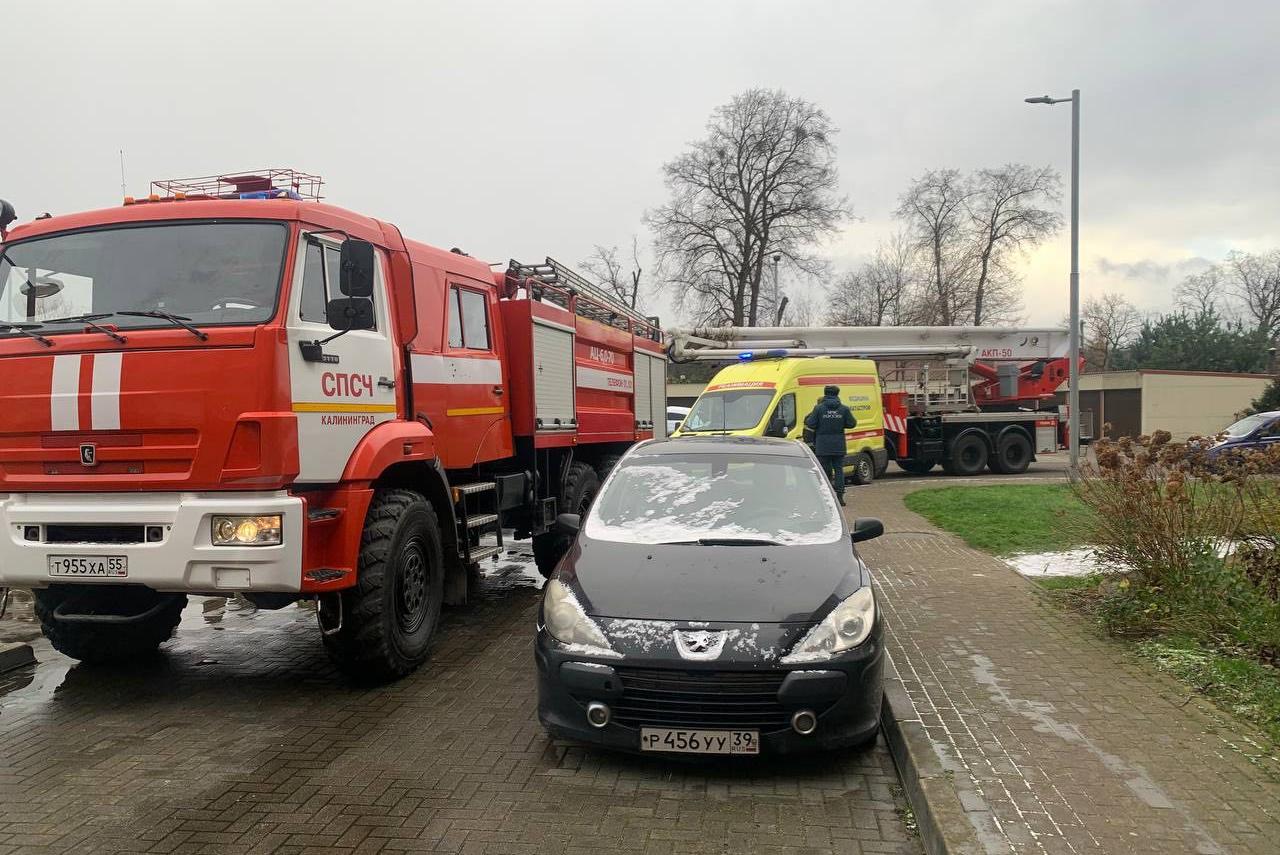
(915, 467)
(606, 464)
(968, 455)
(864, 469)
(1013, 454)
(390, 615)
(580, 486)
(97, 643)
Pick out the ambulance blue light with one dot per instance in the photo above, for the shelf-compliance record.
(745, 356)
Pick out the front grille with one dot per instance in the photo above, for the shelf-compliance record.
(703, 699)
(94, 533)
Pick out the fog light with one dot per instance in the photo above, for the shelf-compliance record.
(31, 532)
(247, 530)
(597, 714)
(804, 722)
(155, 534)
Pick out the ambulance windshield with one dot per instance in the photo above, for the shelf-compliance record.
(208, 273)
(737, 409)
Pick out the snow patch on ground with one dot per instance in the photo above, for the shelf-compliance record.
(1072, 562)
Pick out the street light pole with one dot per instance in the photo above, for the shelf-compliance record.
(1073, 376)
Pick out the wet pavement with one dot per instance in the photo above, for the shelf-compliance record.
(242, 738)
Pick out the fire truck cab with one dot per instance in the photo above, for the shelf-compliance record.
(231, 388)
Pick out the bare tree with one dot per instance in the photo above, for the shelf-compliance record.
(1110, 323)
(605, 266)
(762, 181)
(1255, 282)
(1006, 217)
(884, 291)
(1202, 293)
(934, 210)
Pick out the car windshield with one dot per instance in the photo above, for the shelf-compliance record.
(211, 273)
(1248, 425)
(715, 497)
(739, 409)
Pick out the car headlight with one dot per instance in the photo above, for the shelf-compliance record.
(247, 530)
(847, 626)
(567, 621)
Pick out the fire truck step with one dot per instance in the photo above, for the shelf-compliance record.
(468, 489)
(480, 520)
(478, 555)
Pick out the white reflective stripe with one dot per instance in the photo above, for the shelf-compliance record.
(64, 393)
(610, 381)
(433, 368)
(104, 406)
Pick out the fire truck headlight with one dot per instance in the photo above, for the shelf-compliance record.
(247, 531)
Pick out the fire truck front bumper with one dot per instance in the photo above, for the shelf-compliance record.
(164, 541)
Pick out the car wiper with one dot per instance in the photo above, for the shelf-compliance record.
(27, 330)
(736, 541)
(91, 321)
(722, 541)
(176, 320)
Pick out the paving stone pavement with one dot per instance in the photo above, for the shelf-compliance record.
(1058, 739)
(241, 739)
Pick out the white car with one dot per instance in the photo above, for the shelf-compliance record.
(675, 415)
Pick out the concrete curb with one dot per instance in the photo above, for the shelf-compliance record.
(940, 816)
(14, 656)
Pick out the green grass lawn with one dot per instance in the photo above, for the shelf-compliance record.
(1014, 518)
(1007, 519)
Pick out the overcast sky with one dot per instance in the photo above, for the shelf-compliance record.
(524, 129)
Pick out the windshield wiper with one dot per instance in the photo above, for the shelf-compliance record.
(736, 541)
(91, 321)
(176, 320)
(722, 541)
(26, 329)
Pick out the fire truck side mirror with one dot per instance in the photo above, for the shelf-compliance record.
(350, 313)
(355, 278)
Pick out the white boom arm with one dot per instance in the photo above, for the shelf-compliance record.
(973, 343)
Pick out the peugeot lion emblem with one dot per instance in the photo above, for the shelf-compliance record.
(88, 454)
(699, 643)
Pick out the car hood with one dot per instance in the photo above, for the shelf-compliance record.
(718, 584)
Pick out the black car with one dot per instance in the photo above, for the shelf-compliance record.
(712, 603)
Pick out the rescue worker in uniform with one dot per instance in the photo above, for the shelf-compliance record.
(826, 426)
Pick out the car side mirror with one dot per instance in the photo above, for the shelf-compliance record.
(866, 528)
(350, 313)
(777, 427)
(569, 523)
(355, 276)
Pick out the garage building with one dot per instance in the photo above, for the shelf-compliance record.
(1185, 403)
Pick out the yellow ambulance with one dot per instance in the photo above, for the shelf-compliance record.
(771, 397)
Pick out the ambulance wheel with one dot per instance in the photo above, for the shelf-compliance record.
(915, 467)
(968, 456)
(389, 617)
(97, 643)
(580, 486)
(864, 469)
(1013, 454)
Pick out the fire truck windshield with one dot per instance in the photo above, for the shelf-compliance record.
(209, 274)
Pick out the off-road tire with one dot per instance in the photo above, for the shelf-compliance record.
(864, 469)
(968, 456)
(95, 643)
(1013, 454)
(915, 467)
(580, 486)
(606, 464)
(390, 616)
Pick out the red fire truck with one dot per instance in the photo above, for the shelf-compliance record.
(230, 387)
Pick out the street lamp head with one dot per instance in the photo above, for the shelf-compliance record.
(1043, 99)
